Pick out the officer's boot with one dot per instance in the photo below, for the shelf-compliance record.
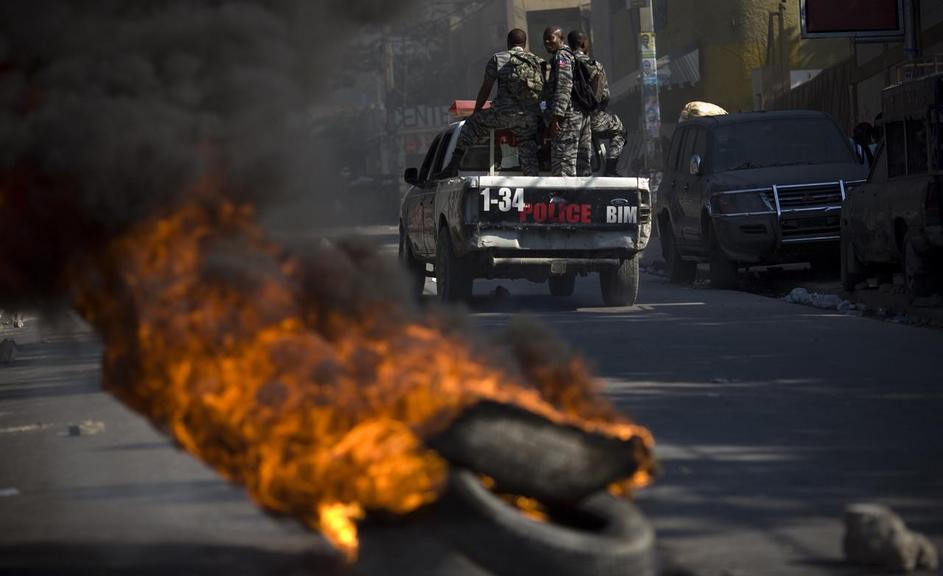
(612, 166)
(451, 169)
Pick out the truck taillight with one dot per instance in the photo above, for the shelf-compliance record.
(934, 205)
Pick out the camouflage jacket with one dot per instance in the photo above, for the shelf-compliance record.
(559, 88)
(499, 69)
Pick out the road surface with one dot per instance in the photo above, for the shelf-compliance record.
(770, 418)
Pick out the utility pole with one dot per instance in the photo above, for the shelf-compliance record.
(650, 124)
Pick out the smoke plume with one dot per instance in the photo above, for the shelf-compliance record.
(111, 110)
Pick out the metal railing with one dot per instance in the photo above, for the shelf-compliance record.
(916, 69)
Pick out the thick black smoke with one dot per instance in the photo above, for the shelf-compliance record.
(111, 110)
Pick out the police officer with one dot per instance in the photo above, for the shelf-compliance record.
(512, 109)
(566, 123)
(603, 125)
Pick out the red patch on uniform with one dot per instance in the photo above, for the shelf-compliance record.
(564, 63)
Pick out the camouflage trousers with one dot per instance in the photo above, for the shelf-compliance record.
(606, 126)
(609, 126)
(565, 147)
(523, 126)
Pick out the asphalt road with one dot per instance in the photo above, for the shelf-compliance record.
(770, 418)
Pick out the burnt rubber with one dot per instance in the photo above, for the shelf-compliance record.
(600, 536)
(527, 454)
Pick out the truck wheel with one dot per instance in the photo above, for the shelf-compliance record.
(562, 286)
(916, 277)
(679, 271)
(852, 271)
(415, 269)
(724, 274)
(620, 285)
(453, 279)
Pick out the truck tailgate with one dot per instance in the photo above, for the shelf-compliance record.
(598, 203)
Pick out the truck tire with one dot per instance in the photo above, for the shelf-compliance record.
(852, 270)
(724, 274)
(562, 286)
(917, 279)
(452, 276)
(415, 269)
(605, 536)
(679, 271)
(619, 286)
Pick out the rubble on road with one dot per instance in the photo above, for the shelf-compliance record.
(876, 536)
(7, 351)
(822, 301)
(87, 428)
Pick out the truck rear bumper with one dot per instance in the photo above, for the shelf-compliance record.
(553, 240)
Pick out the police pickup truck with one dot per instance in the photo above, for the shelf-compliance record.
(488, 221)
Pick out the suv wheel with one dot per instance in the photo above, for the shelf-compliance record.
(415, 269)
(679, 271)
(562, 286)
(852, 270)
(620, 285)
(452, 276)
(724, 274)
(917, 279)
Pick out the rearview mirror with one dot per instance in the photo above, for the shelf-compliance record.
(411, 176)
(696, 165)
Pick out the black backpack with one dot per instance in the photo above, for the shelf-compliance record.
(588, 86)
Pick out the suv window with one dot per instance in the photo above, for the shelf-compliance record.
(675, 149)
(440, 154)
(700, 145)
(936, 137)
(917, 146)
(779, 141)
(430, 156)
(896, 142)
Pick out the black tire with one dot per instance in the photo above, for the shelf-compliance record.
(603, 535)
(724, 274)
(853, 271)
(619, 286)
(917, 279)
(453, 278)
(415, 269)
(562, 286)
(679, 271)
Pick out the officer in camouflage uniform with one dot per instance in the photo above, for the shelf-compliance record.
(513, 109)
(603, 125)
(567, 125)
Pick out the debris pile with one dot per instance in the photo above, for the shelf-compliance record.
(876, 536)
(821, 301)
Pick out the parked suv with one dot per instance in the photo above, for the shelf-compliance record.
(894, 221)
(754, 189)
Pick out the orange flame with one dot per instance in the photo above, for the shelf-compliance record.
(320, 413)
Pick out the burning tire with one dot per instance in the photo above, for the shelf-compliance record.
(600, 535)
(620, 286)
